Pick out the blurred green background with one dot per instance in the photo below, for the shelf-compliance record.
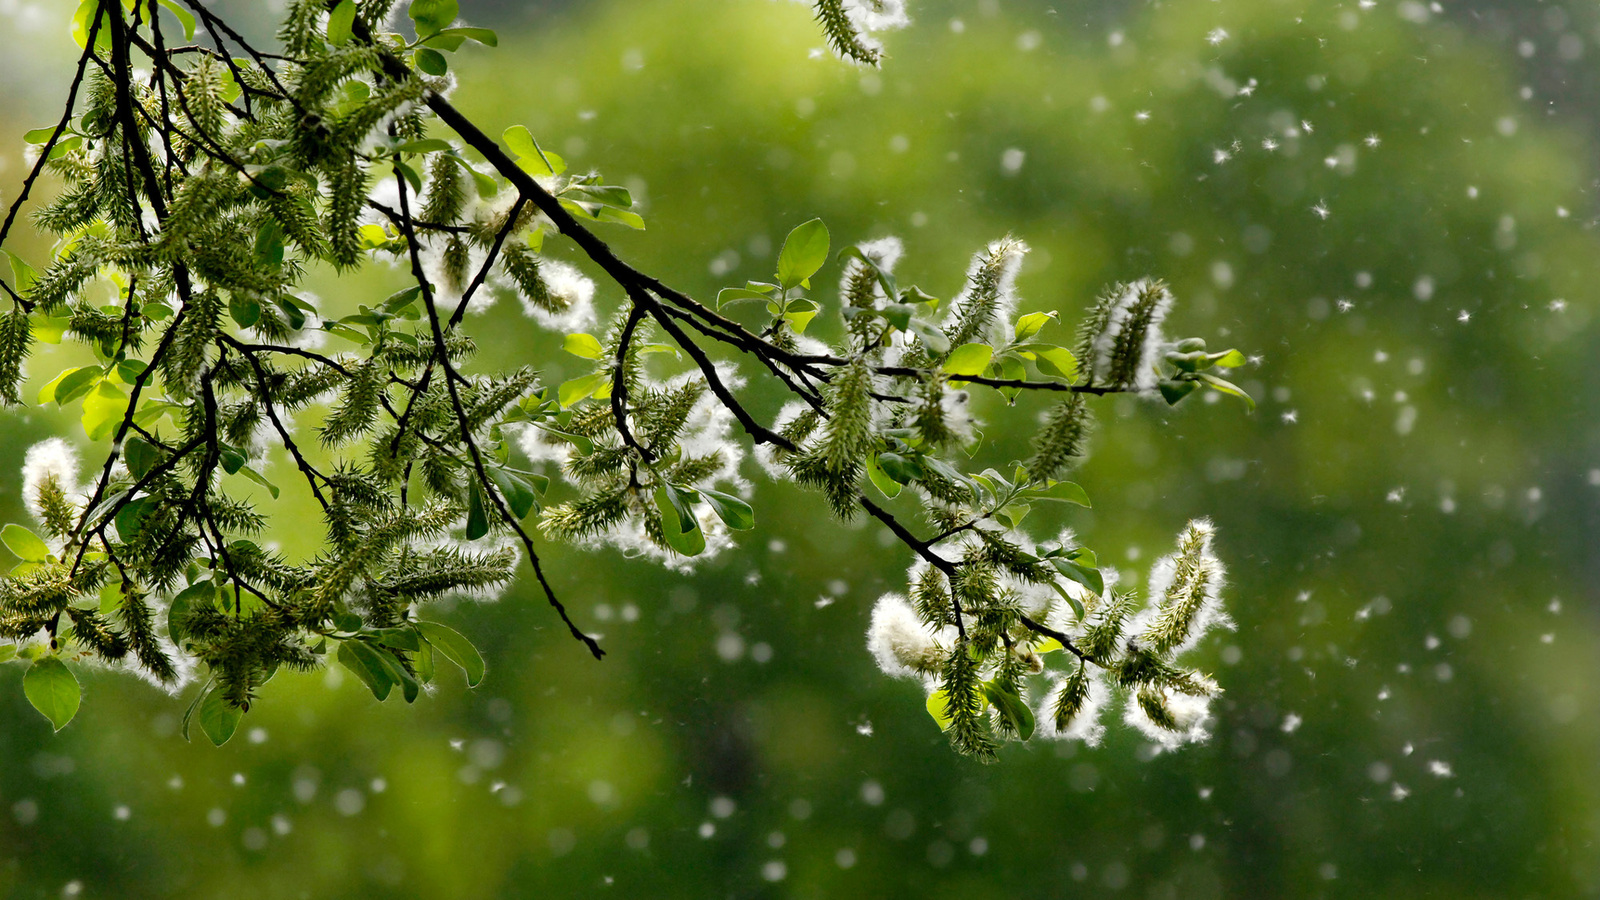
(1391, 204)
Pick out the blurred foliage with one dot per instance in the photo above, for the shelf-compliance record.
(1411, 709)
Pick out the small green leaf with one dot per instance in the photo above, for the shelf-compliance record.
(246, 310)
(219, 719)
(518, 493)
(70, 384)
(231, 457)
(201, 593)
(577, 389)
(1031, 324)
(1057, 361)
(1067, 492)
(679, 526)
(1011, 707)
(899, 468)
(1228, 359)
(367, 666)
(8, 652)
(1087, 576)
(130, 516)
(53, 690)
(728, 296)
(1174, 391)
(939, 707)
(431, 62)
(484, 36)
(804, 252)
(968, 359)
(477, 519)
(103, 410)
(24, 543)
(881, 479)
(22, 274)
(250, 473)
(432, 16)
(340, 22)
(1227, 387)
(455, 648)
(185, 18)
(733, 512)
(583, 345)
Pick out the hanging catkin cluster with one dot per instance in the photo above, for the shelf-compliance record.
(201, 184)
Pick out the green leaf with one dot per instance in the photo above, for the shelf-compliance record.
(1048, 645)
(70, 385)
(939, 707)
(968, 359)
(1228, 359)
(679, 526)
(577, 389)
(410, 174)
(35, 136)
(201, 593)
(245, 310)
(1057, 361)
(533, 158)
(583, 345)
(1031, 324)
(1174, 391)
(899, 468)
(219, 719)
(53, 690)
(231, 457)
(1011, 707)
(518, 493)
(455, 648)
(1067, 492)
(250, 473)
(1074, 602)
(804, 252)
(931, 336)
(485, 36)
(881, 479)
(728, 296)
(1088, 576)
(8, 652)
(185, 18)
(340, 22)
(103, 410)
(432, 16)
(431, 62)
(130, 516)
(477, 519)
(1227, 387)
(367, 666)
(733, 512)
(24, 543)
(22, 274)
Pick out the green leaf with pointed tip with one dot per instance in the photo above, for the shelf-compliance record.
(519, 495)
(185, 18)
(679, 526)
(53, 690)
(364, 662)
(881, 479)
(103, 409)
(24, 543)
(578, 389)
(1032, 323)
(733, 512)
(341, 22)
(1228, 359)
(70, 384)
(130, 516)
(431, 62)
(1174, 391)
(582, 345)
(1011, 707)
(455, 648)
(1228, 387)
(1057, 361)
(1067, 492)
(968, 359)
(477, 519)
(804, 252)
(219, 719)
(1087, 576)
(432, 16)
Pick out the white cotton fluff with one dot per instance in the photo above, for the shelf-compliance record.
(1164, 572)
(897, 639)
(50, 460)
(1192, 715)
(877, 15)
(575, 289)
(1010, 252)
(1086, 726)
(1154, 345)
